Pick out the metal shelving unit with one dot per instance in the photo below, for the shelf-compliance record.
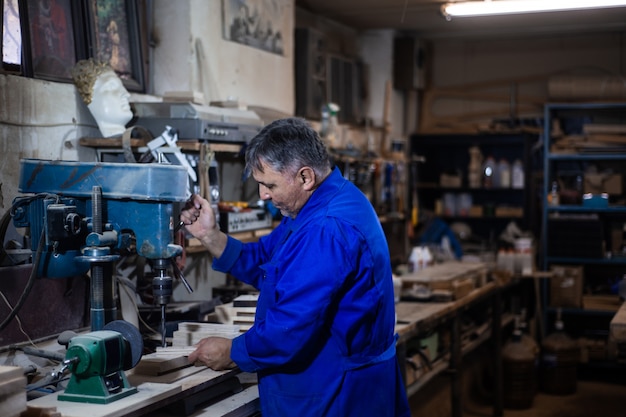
(572, 119)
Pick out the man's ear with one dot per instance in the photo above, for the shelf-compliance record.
(306, 176)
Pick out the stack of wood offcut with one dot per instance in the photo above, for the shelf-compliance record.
(594, 138)
(12, 391)
(244, 309)
(241, 311)
(236, 317)
(167, 360)
(190, 333)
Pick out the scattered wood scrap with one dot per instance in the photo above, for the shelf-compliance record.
(601, 137)
(12, 391)
(190, 333)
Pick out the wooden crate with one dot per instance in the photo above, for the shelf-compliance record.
(459, 278)
(566, 286)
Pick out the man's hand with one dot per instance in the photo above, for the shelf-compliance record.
(213, 352)
(199, 220)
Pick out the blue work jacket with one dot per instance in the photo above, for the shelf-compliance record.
(323, 340)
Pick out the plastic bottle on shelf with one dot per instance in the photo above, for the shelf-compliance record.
(416, 259)
(489, 172)
(504, 173)
(517, 174)
(553, 197)
(474, 168)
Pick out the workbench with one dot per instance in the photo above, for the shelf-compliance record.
(188, 387)
(416, 320)
(187, 391)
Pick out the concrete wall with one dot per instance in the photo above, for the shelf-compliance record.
(192, 54)
(474, 80)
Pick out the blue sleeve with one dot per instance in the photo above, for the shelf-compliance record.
(242, 260)
(296, 298)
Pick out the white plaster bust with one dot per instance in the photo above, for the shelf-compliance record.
(105, 95)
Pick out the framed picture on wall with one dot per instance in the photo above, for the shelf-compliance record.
(49, 34)
(115, 38)
(256, 23)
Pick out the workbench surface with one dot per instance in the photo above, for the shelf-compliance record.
(152, 395)
(416, 317)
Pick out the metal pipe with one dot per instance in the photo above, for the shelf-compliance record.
(97, 271)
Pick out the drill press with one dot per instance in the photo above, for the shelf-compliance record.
(88, 214)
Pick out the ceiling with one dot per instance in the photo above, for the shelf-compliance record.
(423, 18)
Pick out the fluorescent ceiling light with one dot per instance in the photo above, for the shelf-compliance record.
(495, 7)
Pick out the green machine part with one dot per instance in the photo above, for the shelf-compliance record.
(98, 360)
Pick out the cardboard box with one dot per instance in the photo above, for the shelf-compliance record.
(566, 286)
(450, 181)
(603, 183)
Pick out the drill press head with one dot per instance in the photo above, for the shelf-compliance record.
(83, 216)
(135, 213)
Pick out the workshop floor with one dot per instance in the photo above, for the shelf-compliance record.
(591, 399)
(595, 396)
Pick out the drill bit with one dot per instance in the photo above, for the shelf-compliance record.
(163, 342)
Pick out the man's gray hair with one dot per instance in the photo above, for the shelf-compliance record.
(286, 145)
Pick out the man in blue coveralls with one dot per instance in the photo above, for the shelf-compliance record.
(323, 339)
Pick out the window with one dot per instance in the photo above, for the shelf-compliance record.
(11, 36)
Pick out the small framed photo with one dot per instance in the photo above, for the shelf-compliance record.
(50, 30)
(116, 38)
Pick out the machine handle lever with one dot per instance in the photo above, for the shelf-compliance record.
(179, 274)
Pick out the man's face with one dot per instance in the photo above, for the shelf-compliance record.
(285, 190)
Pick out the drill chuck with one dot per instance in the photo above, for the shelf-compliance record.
(162, 288)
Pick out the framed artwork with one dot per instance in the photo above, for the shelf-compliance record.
(256, 23)
(115, 37)
(49, 33)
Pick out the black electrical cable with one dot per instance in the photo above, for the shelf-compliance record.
(4, 225)
(29, 284)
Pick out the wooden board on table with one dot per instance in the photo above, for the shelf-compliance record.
(190, 333)
(160, 363)
(167, 378)
(458, 277)
(12, 391)
(602, 302)
(147, 394)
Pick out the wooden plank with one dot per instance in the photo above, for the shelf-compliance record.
(159, 364)
(12, 391)
(446, 271)
(600, 128)
(148, 393)
(618, 325)
(109, 142)
(601, 302)
(168, 378)
(241, 404)
(457, 277)
(414, 317)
